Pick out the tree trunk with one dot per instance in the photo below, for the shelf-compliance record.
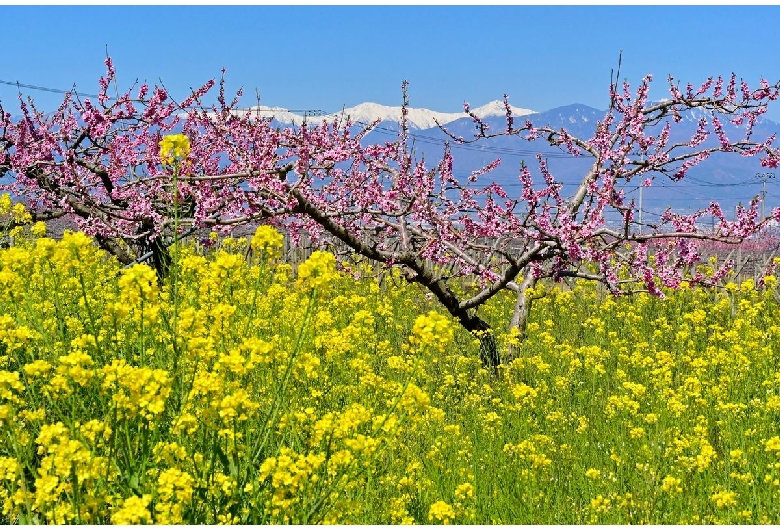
(488, 350)
(161, 258)
(522, 306)
(111, 246)
(522, 309)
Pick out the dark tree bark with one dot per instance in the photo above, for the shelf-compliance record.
(161, 258)
(488, 349)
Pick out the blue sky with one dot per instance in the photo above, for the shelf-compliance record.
(326, 57)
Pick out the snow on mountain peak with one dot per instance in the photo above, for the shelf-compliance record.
(496, 108)
(369, 112)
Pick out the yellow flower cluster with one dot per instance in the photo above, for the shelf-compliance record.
(442, 512)
(136, 390)
(15, 221)
(432, 330)
(174, 148)
(138, 284)
(133, 511)
(317, 271)
(268, 241)
(17, 211)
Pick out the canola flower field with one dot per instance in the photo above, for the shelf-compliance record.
(243, 391)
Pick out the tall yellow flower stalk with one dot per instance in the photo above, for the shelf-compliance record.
(174, 149)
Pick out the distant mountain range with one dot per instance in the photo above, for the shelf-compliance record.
(726, 178)
(370, 112)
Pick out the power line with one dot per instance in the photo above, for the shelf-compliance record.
(499, 150)
(45, 89)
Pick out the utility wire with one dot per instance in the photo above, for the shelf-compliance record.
(45, 89)
(501, 150)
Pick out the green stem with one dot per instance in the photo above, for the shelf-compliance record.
(91, 317)
(257, 450)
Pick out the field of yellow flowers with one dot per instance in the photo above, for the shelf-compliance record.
(243, 391)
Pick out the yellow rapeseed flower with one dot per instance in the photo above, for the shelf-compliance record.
(432, 330)
(600, 504)
(267, 240)
(318, 270)
(138, 283)
(671, 484)
(10, 381)
(5, 203)
(75, 242)
(136, 390)
(724, 499)
(38, 229)
(133, 511)
(17, 211)
(173, 148)
(9, 468)
(773, 444)
(441, 511)
(593, 473)
(174, 483)
(465, 491)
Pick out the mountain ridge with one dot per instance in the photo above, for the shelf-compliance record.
(368, 112)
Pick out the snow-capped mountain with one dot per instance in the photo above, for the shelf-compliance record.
(370, 112)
